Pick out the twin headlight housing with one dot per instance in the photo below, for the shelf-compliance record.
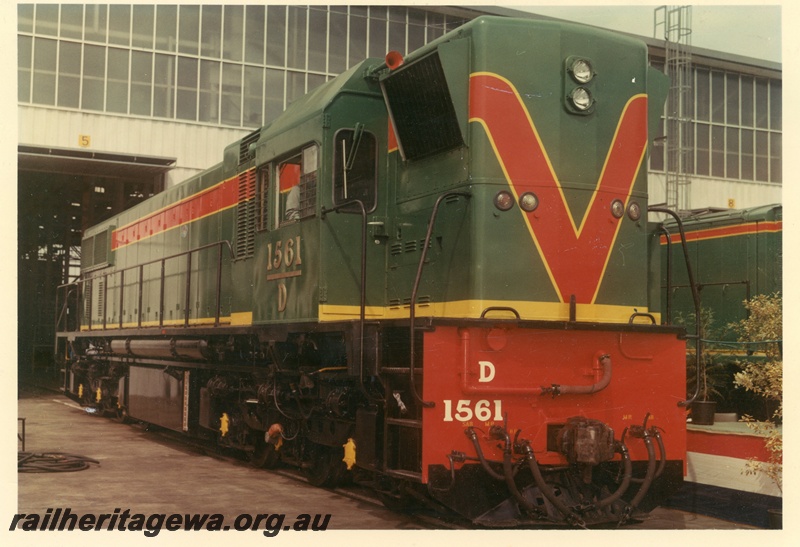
(579, 98)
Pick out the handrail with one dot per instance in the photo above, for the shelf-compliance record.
(695, 298)
(415, 288)
(362, 317)
(669, 272)
(80, 284)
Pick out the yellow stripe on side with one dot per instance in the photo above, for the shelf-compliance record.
(242, 318)
(203, 321)
(472, 309)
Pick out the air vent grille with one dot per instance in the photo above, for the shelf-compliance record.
(421, 108)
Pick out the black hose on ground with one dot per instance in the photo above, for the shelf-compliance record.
(52, 462)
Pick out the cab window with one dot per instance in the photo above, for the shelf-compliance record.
(355, 168)
(297, 185)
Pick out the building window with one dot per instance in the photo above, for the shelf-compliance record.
(209, 91)
(119, 25)
(337, 50)
(164, 86)
(69, 75)
(237, 65)
(141, 82)
(254, 34)
(317, 39)
(44, 71)
(296, 41)
(242, 65)
(71, 21)
(95, 23)
(231, 111)
(117, 85)
(776, 157)
(166, 28)
(46, 20)
(775, 105)
(189, 30)
(24, 59)
(253, 105)
(94, 68)
(377, 31)
(186, 99)
(233, 33)
(25, 18)
(143, 25)
(737, 129)
(276, 35)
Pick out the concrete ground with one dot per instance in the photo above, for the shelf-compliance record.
(151, 473)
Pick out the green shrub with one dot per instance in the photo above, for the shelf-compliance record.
(762, 331)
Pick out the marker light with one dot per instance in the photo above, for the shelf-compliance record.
(634, 211)
(528, 201)
(617, 208)
(581, 99)
(581, 71)
(503, 200)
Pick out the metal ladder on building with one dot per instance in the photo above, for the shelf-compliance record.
(675, 22)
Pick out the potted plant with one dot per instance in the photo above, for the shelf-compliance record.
(762, 374)
(713, 374)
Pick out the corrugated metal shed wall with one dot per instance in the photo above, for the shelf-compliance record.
(195, 146)
(711, 192)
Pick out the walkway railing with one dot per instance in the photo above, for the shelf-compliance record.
(78, 295)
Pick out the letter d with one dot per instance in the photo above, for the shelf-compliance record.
(487, 371)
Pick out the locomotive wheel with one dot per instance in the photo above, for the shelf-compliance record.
(264, 456)
(120, 415)
(326, 468)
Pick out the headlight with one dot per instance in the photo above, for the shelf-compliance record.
(503, 200)
(634, 211)
(528, 201)
(581, 99)
(581, 71)
(617, 208)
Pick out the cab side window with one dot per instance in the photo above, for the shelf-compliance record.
(355, 168)
(297, 185)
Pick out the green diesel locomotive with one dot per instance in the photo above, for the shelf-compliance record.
(418, 277)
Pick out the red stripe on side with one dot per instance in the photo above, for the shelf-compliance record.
(727, 231)
(215, 199)
(730, 445)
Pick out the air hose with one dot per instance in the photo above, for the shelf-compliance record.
(51, 462)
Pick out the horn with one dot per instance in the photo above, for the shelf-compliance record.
(394, 59)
